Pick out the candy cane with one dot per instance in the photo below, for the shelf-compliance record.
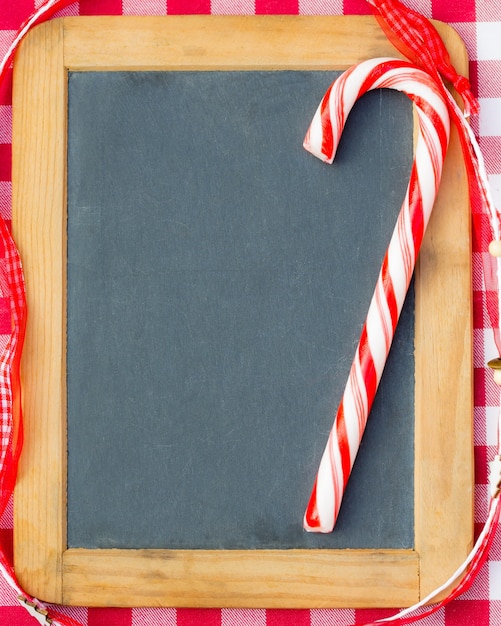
(322, 140)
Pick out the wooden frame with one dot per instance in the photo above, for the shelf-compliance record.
(443, 431)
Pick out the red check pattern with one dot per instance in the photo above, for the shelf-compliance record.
(479, 23)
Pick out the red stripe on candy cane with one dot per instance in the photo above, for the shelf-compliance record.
(396, 272)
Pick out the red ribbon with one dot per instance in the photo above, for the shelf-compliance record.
(416, 37)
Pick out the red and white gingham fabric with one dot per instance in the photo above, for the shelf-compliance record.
(479, 23)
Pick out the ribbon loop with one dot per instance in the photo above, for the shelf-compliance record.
(416, 37)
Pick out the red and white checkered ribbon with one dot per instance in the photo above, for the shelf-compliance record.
(11, 425)
(416, 37)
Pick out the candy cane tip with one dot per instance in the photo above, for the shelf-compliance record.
(314, 526)
(312, 521)
(323, 156)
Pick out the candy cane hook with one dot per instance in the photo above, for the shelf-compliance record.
(398, 264)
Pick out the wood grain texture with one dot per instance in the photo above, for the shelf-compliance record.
(194, 42)
(240, 578)
(39, 173)
(444, 399)
(444, 445)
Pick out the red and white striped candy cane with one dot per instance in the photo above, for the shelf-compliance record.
(322, 140)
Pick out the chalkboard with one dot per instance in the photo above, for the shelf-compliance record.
(187, 279)
(218, 280)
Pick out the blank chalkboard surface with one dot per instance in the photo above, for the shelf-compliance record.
(196, 296)
(218, 280)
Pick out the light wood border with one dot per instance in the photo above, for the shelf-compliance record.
(443, 440)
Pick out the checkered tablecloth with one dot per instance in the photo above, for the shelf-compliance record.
(479, 24)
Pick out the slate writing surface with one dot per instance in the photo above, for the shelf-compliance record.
(218, 279)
